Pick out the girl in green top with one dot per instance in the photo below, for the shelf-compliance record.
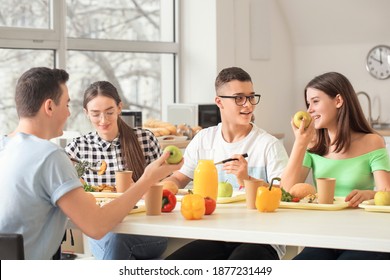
(338, 143)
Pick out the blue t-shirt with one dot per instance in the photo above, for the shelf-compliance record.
(35, 173)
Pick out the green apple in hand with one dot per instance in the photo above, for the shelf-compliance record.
(382, 198)
(176, 154)
(225, 189)
(302, 115)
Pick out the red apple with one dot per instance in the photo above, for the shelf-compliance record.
(210, 205)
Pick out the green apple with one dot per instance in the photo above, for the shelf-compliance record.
(302, 115)
(382, 198)
(225, 189)
(176, 154)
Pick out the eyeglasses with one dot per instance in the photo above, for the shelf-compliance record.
(107, 115)
(242, 99)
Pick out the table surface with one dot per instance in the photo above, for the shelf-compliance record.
(344, 229)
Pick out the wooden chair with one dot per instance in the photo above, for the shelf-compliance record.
(11, 246)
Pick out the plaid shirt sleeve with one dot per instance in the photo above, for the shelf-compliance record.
(149, 144)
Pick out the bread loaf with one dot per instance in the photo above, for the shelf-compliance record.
(301, 190)
(159, 128)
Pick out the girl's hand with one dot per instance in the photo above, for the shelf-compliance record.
(304, 136)
(358, 196)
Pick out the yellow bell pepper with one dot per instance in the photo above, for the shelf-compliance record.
(268, 198)
(192, 206)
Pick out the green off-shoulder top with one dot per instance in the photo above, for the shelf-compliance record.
(351, 173)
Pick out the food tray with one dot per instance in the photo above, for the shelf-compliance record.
(370, 206)
(236, 197)
(106, 194)
(105, 197)
(338, 204)
(139, 209)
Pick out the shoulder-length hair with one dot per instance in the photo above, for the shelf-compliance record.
(350, 115)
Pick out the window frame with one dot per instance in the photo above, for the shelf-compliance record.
(55, 39)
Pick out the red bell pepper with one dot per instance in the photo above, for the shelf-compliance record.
(168, 201)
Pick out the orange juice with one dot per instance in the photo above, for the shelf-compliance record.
(206, 179)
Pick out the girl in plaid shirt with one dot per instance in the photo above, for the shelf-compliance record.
(122, 148)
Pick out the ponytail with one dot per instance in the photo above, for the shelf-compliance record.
(132, 153)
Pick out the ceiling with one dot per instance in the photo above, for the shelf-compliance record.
(322, 22)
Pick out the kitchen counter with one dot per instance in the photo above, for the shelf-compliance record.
(183, 144)
(179, 144)
(383, 132)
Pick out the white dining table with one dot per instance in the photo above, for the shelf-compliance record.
(354, 229)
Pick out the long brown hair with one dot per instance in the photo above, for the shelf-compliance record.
(350, 115)
(132, 153)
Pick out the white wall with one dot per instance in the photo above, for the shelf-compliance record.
(198, 51)
(336, 35)
(350, 61)
(225, 42)
(302, 44)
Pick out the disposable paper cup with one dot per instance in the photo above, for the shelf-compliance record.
(153, 200)
(123, 180)
(251, 186)
(325, 190)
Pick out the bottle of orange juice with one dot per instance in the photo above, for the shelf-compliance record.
(206, 175)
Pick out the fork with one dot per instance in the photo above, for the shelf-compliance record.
(230, 159)
(86, 164)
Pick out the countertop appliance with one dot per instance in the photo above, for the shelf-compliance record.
(132, 118)
(204, 115)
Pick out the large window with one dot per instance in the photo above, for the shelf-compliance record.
(25, 13)
(130, 43)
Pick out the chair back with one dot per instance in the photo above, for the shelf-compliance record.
(11, 246)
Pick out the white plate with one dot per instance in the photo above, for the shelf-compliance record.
(171, 138)
(338, 204)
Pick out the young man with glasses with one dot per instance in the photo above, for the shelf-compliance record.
(235, 135)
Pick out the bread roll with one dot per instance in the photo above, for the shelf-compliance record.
(160, 128)
(196, 129)
(301, 190)
(171, 128)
